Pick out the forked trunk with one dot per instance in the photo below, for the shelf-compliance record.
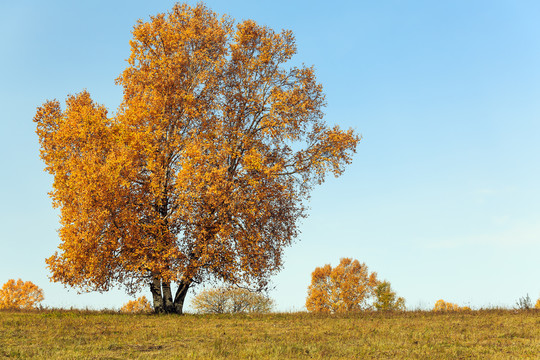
(162, 296)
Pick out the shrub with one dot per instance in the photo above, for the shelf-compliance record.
(141, 305)
(524, 303)
(231, 300)
(385, 298)
(20, 295)
(442, 305)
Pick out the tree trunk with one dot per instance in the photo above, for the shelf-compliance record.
(155, 289)
(162, 296)
(167, 298)
(183, 288)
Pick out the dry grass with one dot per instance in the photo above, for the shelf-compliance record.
(485, 334)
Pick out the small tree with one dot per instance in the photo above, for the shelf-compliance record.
(347, 287)
(20, 295)
(537, 305)
(385, 298)
(231, 300)
(141, 305)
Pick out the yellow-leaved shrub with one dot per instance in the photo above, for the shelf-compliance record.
(141, 305)
(442, 305)
(20, 295)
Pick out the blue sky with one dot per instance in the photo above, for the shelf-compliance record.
(442, 198)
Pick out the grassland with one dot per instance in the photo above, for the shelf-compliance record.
(485, 334)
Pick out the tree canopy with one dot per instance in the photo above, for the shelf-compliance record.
(204, 169)
(20, 295)
(386, 299)
(347, 287)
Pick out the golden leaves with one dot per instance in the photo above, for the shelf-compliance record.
(141, 305)
(204, 169)
(347, 287)
(20, 295)
(442, 305)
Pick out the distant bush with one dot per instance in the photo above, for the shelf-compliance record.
(231, 300)
(141, 305)
(345, 288)
(442, 305)
(386, 299)
(524, 303)
(537, 305)
(20, 295)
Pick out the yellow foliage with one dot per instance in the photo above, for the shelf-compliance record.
(442, 305)
(386, 299)
(205, 167)
(20, 295)
(141, 305)
(347, 287)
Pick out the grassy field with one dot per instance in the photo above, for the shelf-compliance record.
(485, 334)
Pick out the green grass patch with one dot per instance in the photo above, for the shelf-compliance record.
(57, 334)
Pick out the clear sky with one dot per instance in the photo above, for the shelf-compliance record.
(443, 196)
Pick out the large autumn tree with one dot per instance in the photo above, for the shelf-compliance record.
(204, 170)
